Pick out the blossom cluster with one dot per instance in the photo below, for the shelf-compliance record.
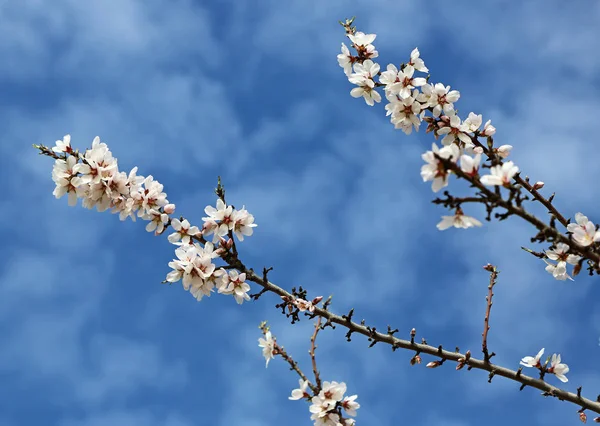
(94, 177)
(326, 405)
(409, 98)
(556, 367)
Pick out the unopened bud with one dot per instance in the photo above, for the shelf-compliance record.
(504, 150)
(538, 185)
(488, 129)
(460, 365)
(478, 150)
(577, 269)
(317, 299)
(434, 364)
(169, 208)
(583, 417)
(597, 419)
(415, 360)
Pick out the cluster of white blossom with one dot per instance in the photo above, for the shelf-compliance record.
(584, 233)
(556, 367)
(410, 98)
(95, 178)
(327, 406)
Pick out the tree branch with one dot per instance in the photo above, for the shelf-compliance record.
(396, 343)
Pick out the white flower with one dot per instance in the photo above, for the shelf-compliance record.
(470, 165)
(268, 345)
(99, 164)
(558, 271)
(329, 419)
(157, 221)
(416, 61)
(319, 407)
(183, 264)
(362, 39)
(243, 222)
(404, 112)
(332, 392)
(345, 60)
(434, 169)
(362, 43)
(403, 81)
(560, 254)
(584, 231)
(488, 129)
(219, 219)
(63, 175)
(441, 98)
(500, 174)
(503, 150)
(363, 78)
(530, 361)
(459, 220)
(454, 130)
(151, 196)
(183, 231)
(301, 391)
(237, 286)
(350, 405)
(558, 369)
(63, 145)
(367, 90)
(473, 122)
(390, 76)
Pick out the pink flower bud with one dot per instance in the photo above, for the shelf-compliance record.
(317, 299)
(169, 208)
(538, 185)
(478, 150)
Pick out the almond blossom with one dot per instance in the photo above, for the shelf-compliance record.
(530, 361)
(183, 231)
(454, 131)
(345, 60)
(237, 287)
(301, 391)
(441, 98)
(558, 369)
(584, 231)
(435, 170)
(363, 78)
(459, 220)
(500, 175)
(416, 61)
(268, 345)
(560, 255)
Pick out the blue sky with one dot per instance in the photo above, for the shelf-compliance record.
(252, 91)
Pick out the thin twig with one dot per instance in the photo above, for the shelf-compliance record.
(313, 346)
(294, 366)
(486, 322)
(396, 343)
